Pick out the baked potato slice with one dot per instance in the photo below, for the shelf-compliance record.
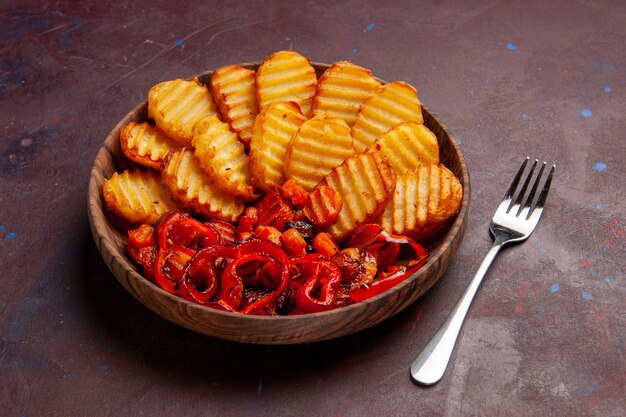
(342, 89)
(223, 158)
(136, 197)
(195, 192)
(407, 145)
(365, 184)
(273, 129)
(424, 201)
(234, 91)
(145, 144)
(320, 144)
(391, 104)
(177, 105)
(286, 76)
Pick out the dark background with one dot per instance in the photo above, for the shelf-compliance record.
(545, 336)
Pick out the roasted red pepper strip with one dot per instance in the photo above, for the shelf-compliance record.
(377, 287)
(323, 279)
(373, 238)
(376, 240)
(191, 233)
(163, 275)
(226, 231)
(202, 272)
(141, 237)
(142, 248)
(169, 267)
(255, 251)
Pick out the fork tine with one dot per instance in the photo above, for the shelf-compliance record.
(534, 216)
(544, 192)
(520, 196)
(526, 209)
(513, 186)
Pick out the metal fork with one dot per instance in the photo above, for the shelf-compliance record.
(513, 222)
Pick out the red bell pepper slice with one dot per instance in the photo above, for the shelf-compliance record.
(191, 233)
(261, 251)
(169, 267)
(323, 279)
(380, 286)
(386, 248)
(201, 277)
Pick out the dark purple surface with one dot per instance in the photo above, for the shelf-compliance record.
(546, 335)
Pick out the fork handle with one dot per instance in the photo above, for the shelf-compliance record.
(430, 365)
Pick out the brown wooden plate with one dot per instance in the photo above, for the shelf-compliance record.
(264, 329)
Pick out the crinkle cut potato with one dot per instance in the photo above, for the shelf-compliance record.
(365, 183)
(286, 76)
(177, 105)
(234, 91)
(145, 144)
(391, 104)
(407, 145)
(136, 197)
(273, 129)
(424, 200)
(342, 89)
(193, 191)
(324, 135)
(223, 158)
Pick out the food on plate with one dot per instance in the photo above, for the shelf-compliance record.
(391, 104)
(284, 195)
(424, 201)
(407, 145)
(273, 129)
(365, 184)
(136, 197)
(234, 92)
(177, 105)
(342, 89)
(223, 158)
(192, 190)
(199, 262)
(286, 76)
(145, 144)
(320, 144)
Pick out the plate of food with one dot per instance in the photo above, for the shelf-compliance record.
(279, 202)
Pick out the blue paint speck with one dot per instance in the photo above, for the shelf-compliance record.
(592, 389)
(587, 296)
(600, 166)
(260, 386)
(607, 89)
(11, 235)
(511, 46)
(599, 206)
(370, 26)
(608, 280)
(354, 50)
(555, 287)
(109, 349)
(586, 112)
(524, 116)
(542, 250)
(11, 253)
(1, 227)
(178, 42)
(459, 141)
